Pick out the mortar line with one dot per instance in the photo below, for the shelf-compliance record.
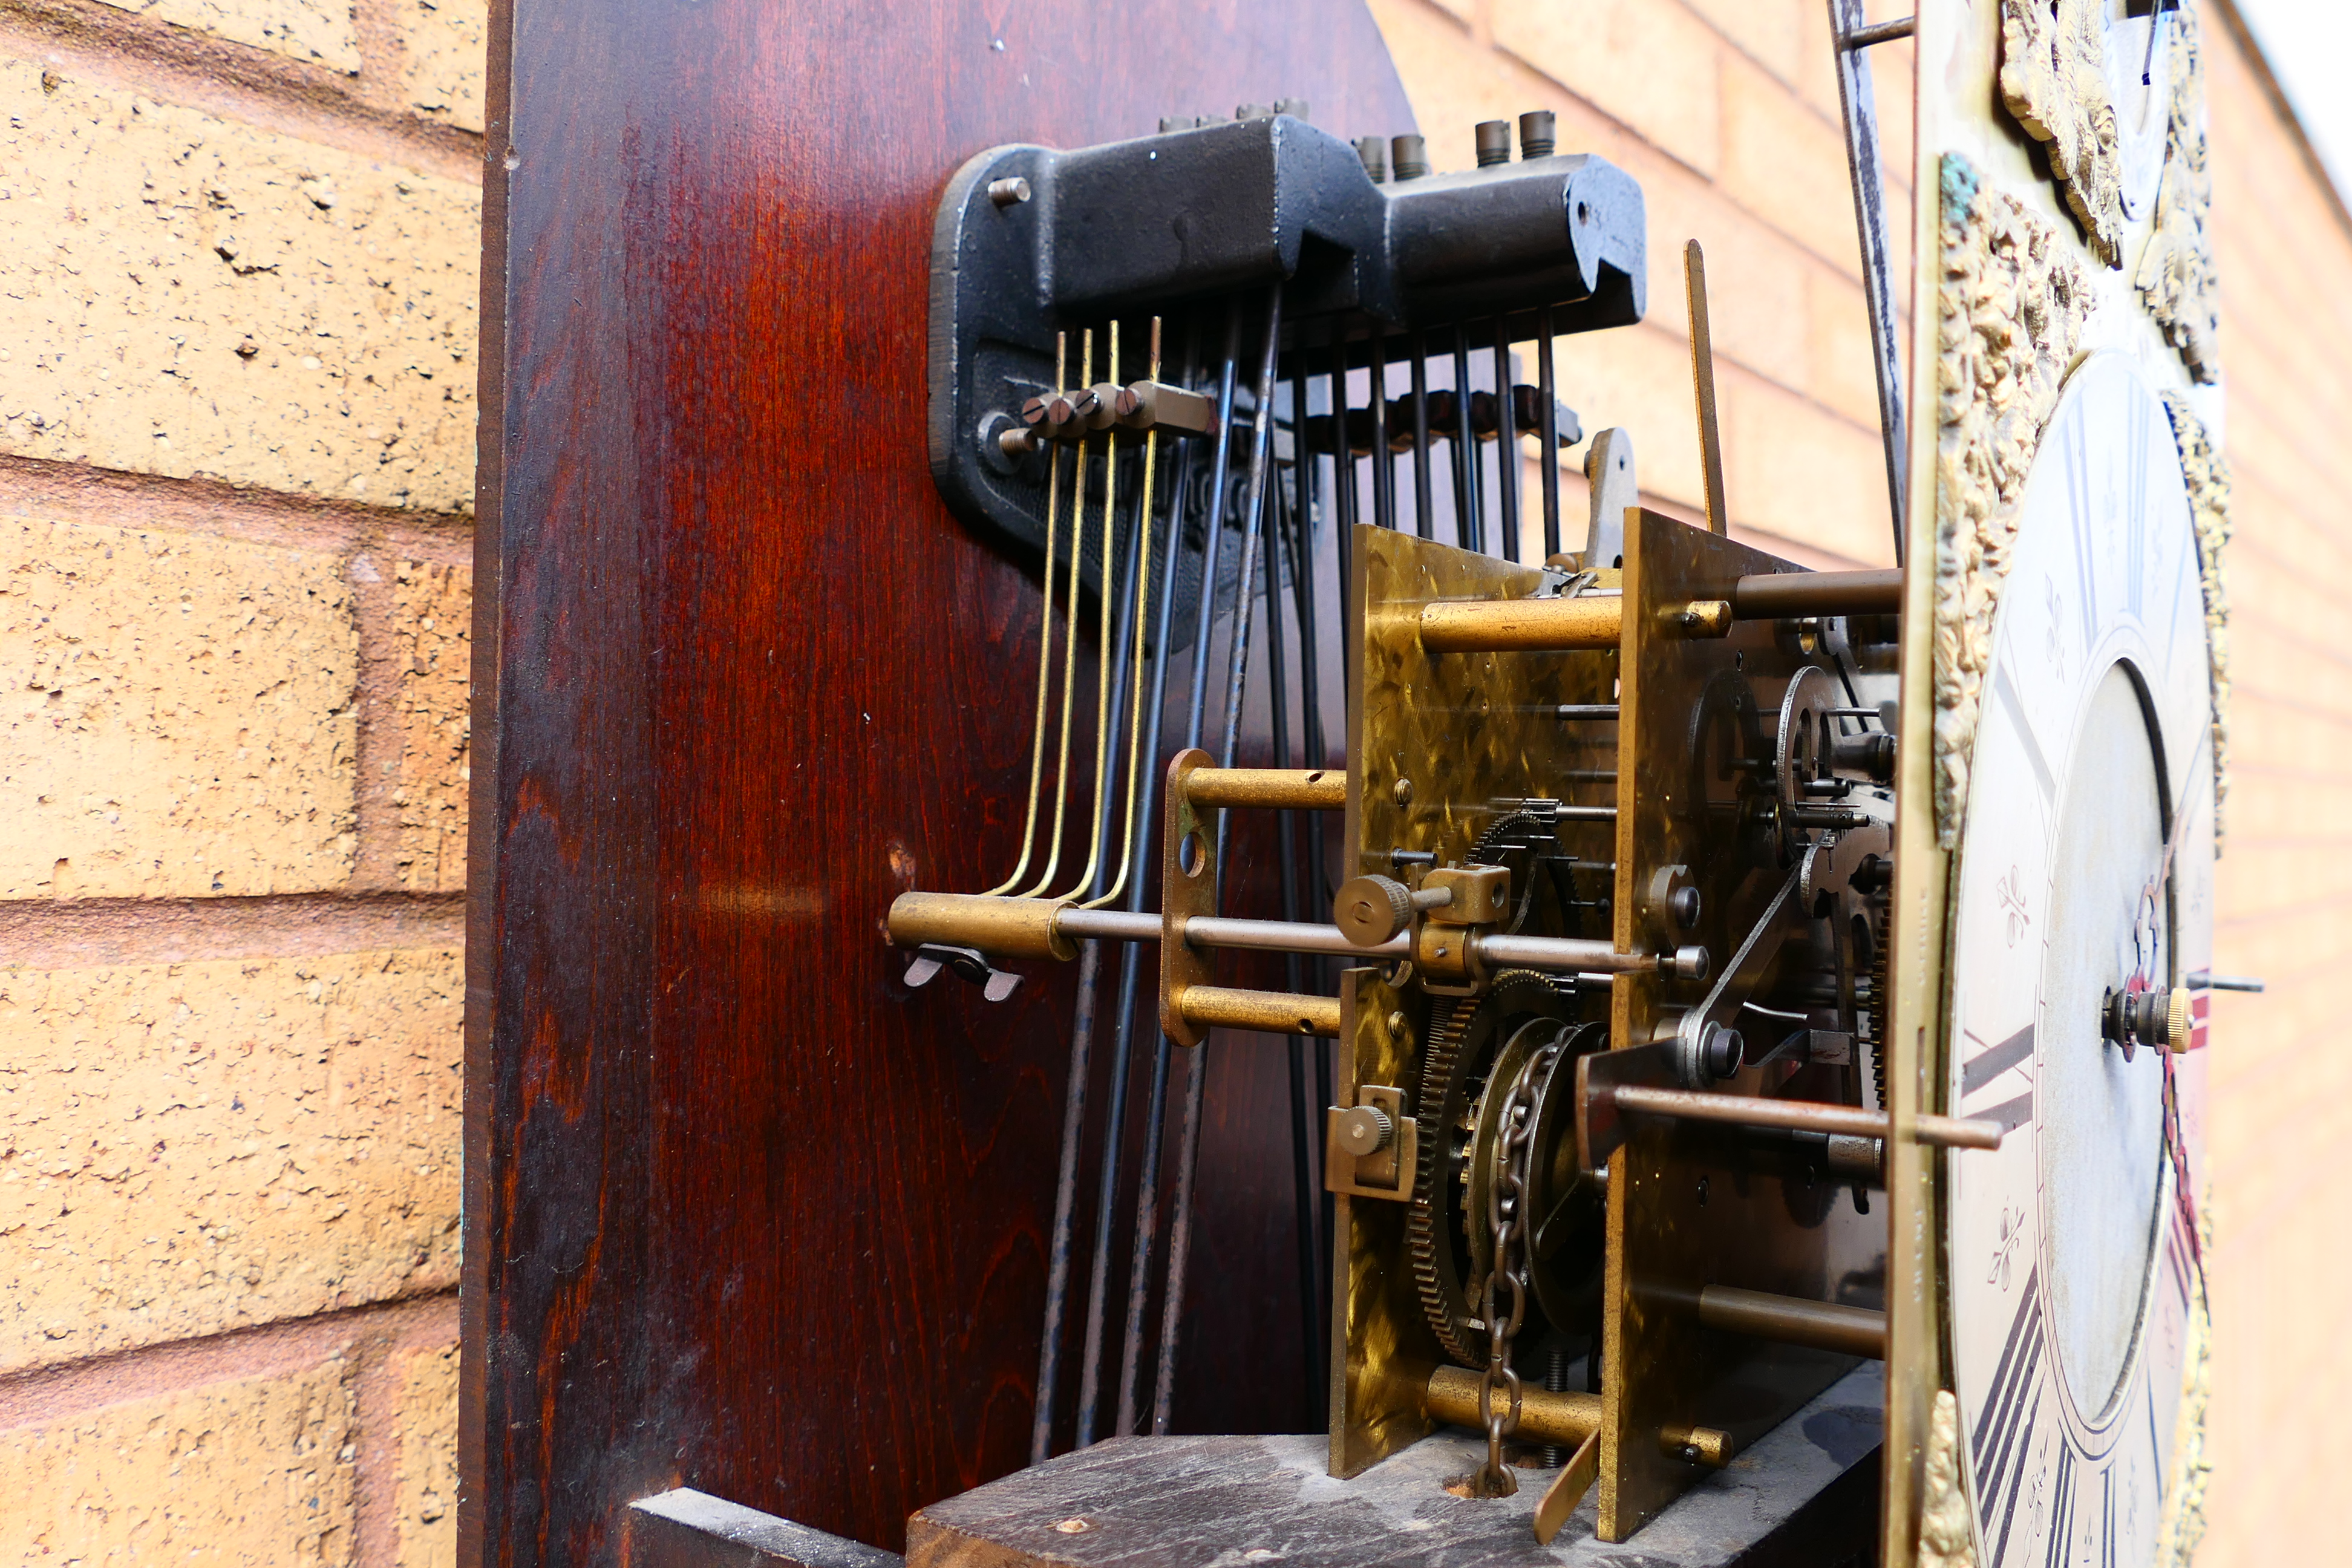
(78, 492)
(85, 39)
(40, 1396)
(86, 933)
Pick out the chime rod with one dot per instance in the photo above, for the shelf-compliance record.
(1070, 636)
(1143, 587)
(1044, 638)
(1104, 596)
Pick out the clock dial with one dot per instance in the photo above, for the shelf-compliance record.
(2071, 1252)
(2138, 65)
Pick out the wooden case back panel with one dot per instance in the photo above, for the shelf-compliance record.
(741, 1212)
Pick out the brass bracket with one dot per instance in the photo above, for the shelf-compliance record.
(1385, 1172)
(1188, 887)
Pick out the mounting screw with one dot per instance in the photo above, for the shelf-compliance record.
(1411, 156)
(1008, 192)
(1683, 905)
(1493, 142)
(1402, 793)
(1538, 133)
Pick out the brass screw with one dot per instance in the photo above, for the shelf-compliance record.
(1403, 792)
(1396, 1023)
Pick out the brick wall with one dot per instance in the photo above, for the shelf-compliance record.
(239, 275)
(1726, 111)
(236, 328)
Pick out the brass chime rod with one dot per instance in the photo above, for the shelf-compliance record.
(1069, 636)
(1135, 660)
(1102, 633)
(1045, 641)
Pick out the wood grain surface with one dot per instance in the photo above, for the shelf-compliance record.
(742, 1213)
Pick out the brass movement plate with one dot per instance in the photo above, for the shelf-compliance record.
(1685, 1211)
(1472, 734)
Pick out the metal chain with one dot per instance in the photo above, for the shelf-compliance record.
(1507, 1226)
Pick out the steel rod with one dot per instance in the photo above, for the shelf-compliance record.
(1774, 594)
(1469, 524)
(1130, 956)
(1805, 1116)
(1793, 1321)
(1383, 459)
(1548, 400)
(1286, 856)
(1196, 1072)
(1110, 676)
(1507, 449)
(1146, 1199)
(1859, 102)
(1423, 502)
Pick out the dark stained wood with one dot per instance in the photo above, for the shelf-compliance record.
(687, 1529)
(742, 1213)
(1807, 1495)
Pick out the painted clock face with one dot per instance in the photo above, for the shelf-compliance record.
(2071, 1253)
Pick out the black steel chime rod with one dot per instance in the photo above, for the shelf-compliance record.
(1383, 459)
(1547, 394)
(1146, 1193)
(1302, 537)
(1287, 857)
(1469, 524)
(1506, 447)
(1089, 1426)
(1344, 497)
(1113, 669)
(1196, 1068)
(1422, 505)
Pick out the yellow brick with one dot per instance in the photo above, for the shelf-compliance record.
(433, 609)
(1787, 164)
(1772, 31)
(318, 30)
(1454, 82)
(1650, 64)
(1756, 278)
(188, 296)
(1793, 468)
(427, 1483)
(1639, 378)
(178, 718)
(1842, 367)
(191, 1148)
(443, 67)
(252, 1471)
